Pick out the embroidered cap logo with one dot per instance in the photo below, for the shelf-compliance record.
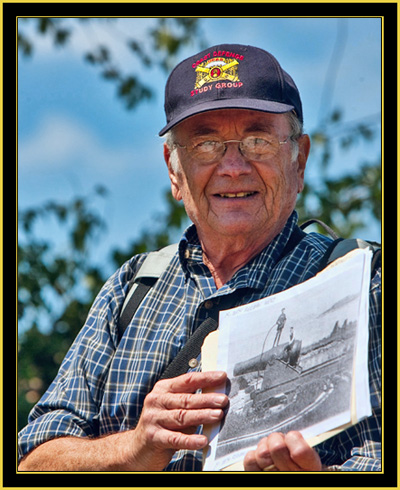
(216, 69)
(229, 76)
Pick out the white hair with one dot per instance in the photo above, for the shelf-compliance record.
(296, 131)
(173, 156)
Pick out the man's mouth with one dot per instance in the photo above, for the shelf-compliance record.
(236, 195)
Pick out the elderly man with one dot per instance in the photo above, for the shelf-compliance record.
(236, 156)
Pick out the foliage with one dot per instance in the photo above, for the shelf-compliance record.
(349, 201)
(166, 38)
(55, 288)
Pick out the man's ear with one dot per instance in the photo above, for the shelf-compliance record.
(175, 188)
(304, 150)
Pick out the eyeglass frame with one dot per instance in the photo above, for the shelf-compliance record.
(224, 143)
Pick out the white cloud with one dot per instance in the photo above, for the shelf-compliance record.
(60, 141)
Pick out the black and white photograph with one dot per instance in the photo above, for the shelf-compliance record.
(291, 368)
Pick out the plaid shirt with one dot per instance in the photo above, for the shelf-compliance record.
(101, 384)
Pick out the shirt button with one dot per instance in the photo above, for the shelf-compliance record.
(208, 304)
(193, 363)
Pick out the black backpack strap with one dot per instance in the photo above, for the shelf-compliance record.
(180, 364)
(340, 247)
(376, 260)
(327, 257)
(191, 350)
(153, 266)
(327, 228)
(135, 298)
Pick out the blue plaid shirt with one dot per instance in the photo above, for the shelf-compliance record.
(101, 383)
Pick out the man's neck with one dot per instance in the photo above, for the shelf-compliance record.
(225, 255)
(225, 258)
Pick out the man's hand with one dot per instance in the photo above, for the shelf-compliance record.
(171, 413)
(280, 452)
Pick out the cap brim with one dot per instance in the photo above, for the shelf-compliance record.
(252, 104)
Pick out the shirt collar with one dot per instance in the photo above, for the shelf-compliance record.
(255, 273)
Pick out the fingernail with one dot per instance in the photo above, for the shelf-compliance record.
(216, 414)
(199, 441)
(220, 399)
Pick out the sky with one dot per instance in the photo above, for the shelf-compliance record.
(74, 133)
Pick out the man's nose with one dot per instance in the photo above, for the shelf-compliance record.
(232, 162)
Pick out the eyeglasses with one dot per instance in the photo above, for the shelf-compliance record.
(252, 148)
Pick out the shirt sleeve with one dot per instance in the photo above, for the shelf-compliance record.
(70, 406)
(359, 447)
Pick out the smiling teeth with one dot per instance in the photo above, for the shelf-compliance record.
(237, 194)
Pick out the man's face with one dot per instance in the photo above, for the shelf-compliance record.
(235, 196)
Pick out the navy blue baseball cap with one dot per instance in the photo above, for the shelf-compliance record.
(229, 76)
